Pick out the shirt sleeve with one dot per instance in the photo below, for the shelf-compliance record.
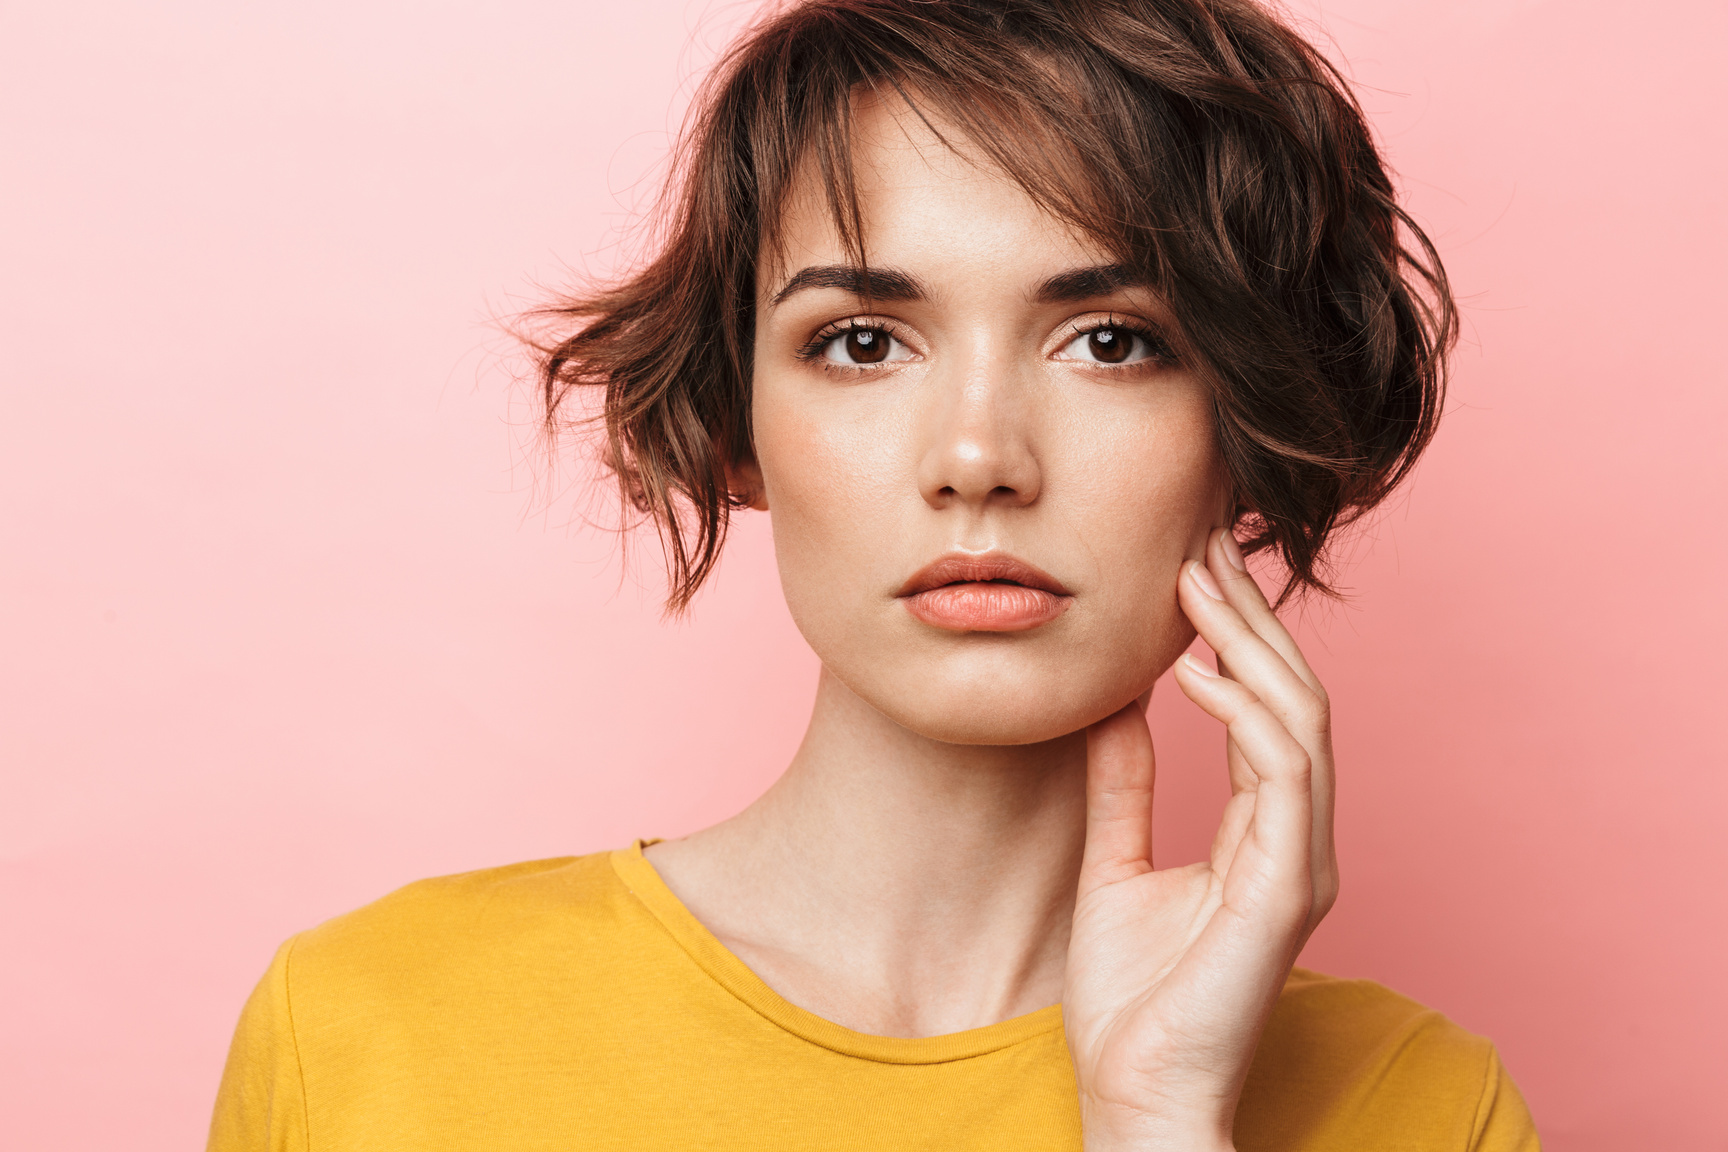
(1503, 1123)
(261, 1105)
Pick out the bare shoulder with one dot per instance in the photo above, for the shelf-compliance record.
(1353, 1064)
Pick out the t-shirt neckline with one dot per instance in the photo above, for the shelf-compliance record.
(714, 958)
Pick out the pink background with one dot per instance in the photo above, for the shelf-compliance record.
(283, 624)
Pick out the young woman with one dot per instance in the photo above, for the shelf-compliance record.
(1016, 316)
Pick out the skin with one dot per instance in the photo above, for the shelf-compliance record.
(965, 834)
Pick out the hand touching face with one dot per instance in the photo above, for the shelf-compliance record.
(987, 463)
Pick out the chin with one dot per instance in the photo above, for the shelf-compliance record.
(1007, 727)
(999, 707)
(1001, 688)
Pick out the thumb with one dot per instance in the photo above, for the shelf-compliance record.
(1120, 769)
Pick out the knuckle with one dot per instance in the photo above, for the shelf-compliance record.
(1244, 703)
(1225, 647)
(1325, 895)
(1297, 908)
(1314, 711)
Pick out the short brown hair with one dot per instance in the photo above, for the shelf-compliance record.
(1202, 142)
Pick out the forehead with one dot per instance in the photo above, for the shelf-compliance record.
(926, 197)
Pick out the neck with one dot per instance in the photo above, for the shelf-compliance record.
(894, 884)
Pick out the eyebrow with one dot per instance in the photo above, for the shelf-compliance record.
(869, 283)
(1086, 283)
(889, 284)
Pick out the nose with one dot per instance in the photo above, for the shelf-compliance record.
(979, 446)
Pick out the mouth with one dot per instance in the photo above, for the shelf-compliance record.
(991, 592)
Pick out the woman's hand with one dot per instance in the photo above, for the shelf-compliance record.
(1171, 974)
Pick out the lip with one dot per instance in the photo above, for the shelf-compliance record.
(989, 592)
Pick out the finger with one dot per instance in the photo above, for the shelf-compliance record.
(1242, 592)
(1225, 561)
(1250, 660)
(1247, 656)
(1282, 820)
(1231, 828)
(1323, 853)
(1241, 776)
(1324, 856)
(1120, 770)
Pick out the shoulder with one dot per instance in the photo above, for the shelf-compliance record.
(462, 934)
(368, 1016)
(1351, 1063)
(451, 909)
(1327, 1023)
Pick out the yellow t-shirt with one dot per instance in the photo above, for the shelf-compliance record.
(575, 1004)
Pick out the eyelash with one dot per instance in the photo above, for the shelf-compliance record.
(1158, 347)
(812, 349)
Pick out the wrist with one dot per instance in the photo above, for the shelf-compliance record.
(1114, 1128)
(1147, 1142)
(1155, 1141)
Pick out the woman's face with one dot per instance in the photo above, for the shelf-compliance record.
(984, 477)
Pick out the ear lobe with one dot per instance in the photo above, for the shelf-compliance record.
(744, 482)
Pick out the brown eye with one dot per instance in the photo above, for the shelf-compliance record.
(1110, 345)
(863, 346)
(1113, 345)
(867, 345)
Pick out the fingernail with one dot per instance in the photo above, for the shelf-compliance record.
(1232, 553)
(1204, 579)
(1196, 664)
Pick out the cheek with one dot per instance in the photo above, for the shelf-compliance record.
(830, 479)
(1139, 506)
(1144, 498)
(809, 469)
